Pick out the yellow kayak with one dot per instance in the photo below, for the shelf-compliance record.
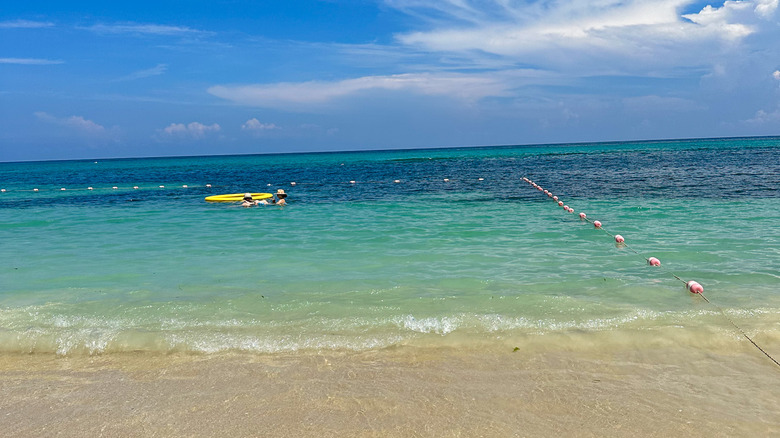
(237, 197)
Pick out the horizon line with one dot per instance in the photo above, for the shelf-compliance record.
(433, 148)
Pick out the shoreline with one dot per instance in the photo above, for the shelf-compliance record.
(399, 391)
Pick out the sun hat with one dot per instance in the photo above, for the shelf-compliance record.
(247, 196)
(280, 192)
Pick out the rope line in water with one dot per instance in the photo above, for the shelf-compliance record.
(97, 189)
(176, 186)
(693, 286)
(742, 332)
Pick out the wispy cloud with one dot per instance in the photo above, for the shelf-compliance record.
(660, 103)
(509, 46)
(81, 126)
(289, 94)
(24, 24)
(193, 130)
(157, 70)
(589, 36)
(144, 29)
(30, 61)
(255, 126)
(765, 118)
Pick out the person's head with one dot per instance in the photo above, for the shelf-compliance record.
(247, 196)
(280, 194)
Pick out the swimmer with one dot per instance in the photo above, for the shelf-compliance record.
(280, 197)
(248, 201)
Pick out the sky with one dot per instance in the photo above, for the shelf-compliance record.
(103, 79)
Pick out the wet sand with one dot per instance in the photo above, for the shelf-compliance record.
(397, 392)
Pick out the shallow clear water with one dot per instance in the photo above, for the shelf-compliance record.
(482, 257)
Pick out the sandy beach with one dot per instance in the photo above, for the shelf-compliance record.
(403, 392)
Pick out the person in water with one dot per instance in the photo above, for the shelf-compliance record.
(280, 195)
(248, 201)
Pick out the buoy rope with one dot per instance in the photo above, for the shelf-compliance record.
(692, 286)
(51, 188)
(647, 259)
(112, 188)
(742, 332)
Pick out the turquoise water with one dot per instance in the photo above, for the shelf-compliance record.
(479, 258)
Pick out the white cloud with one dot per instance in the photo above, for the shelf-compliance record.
(527, 27)
(763, 118)
(660, 103)
(776, 75)
(142, 29)
(194, 130)
(77, 123)
(255, 125)
(24, 24)
(30, 61)
(159, 69)
(588, 37)
(85, 128)
(289, 94)
(766, 8)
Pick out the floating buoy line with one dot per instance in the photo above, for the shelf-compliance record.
(693, 286)
(91, 188)
(185, 186)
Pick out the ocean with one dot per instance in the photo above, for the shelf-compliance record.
(384, 249)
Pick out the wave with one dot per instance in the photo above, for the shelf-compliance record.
(80, 335)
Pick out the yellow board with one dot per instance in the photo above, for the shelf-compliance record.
(237, 197)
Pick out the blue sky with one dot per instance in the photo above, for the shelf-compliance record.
(100, 79)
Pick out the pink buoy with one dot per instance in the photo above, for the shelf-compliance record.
(560, 203)
(619, 238)
(597, 224)
(549, 195)
(694, 287)
(566, 207)
(583, 216)
(652, 261)
(555, 198)
(571, 210)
